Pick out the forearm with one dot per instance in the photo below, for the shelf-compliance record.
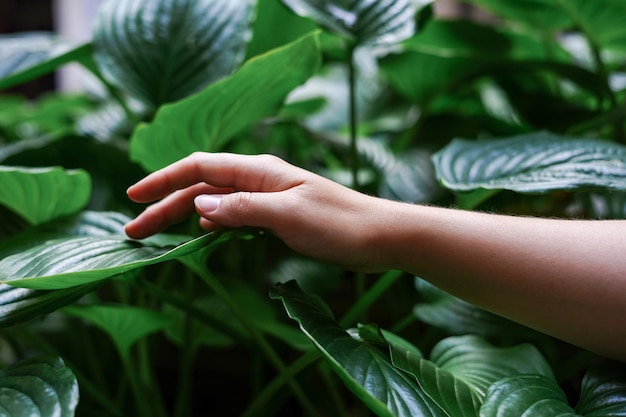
(565, 278)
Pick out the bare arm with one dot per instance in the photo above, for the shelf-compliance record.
(566, 278)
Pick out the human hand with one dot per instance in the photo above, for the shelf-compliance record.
(311, 214)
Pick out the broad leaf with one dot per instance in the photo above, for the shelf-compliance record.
(461, 369)
(67, 262)
(526, 395)
(603, 391)
(163, 50)
(207, 120)
(361, 362)
(42, 194)
(124, 324)
(38, 388)
(458, 317)
(361, 21)
(537, 162)
(541, 15)
(26, 56)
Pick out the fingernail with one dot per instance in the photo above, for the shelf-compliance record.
(207, 203)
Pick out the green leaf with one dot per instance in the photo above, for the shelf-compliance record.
(42, 194)
(207, 120)
(67, 262)
(458, 317)
(461, 369)
(541, 15)
(526, 395)
(124, 324)
(163, 50)
(42, 387)
(532, 163)
(362, 361)
(363, 22)
(26, 56)
(604, 391)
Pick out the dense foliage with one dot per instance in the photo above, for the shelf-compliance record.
(520, 112)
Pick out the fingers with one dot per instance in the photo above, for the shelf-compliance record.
(240, 209)
(239, 172)
(171, 210)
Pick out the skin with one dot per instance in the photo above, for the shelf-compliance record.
(566, 278)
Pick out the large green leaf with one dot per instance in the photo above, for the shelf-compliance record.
(163, 50)
(361, 21)
(67, 262)
(39, 387)
(536, 162)
(541, 15)
(26, 56)
(461, 369)
(41, 194)
(207, 120)
(360, 361)
(124, 324)
(603, 394)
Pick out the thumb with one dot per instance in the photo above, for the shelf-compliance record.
(234, 209)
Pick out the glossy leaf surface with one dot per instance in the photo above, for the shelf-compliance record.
(163, 50)
(361, 360)
(537, 162)
(207, 120)
(42, 194)
(38, 388)
(461, 369)
(362, 21)
(67, 262)
(26, 56)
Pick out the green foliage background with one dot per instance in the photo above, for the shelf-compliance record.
(522, 112)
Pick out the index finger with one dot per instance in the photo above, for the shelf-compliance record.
(260, 173)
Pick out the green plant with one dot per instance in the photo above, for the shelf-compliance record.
(180, 323)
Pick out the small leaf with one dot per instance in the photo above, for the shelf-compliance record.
(124, 324)
(38, 387)
(27, 56)
(526, 395)
(359, 361)
(42, 194)
(67, 262)
(461, 369)
(207, 120)
(161, 50)
(536, 162)
(362, 21)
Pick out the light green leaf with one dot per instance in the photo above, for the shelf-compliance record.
(42, 194)
(361, 21)
(461, 369)
(26, 56)
(124, 324)
(362, 361)
(39, 387)
(536, 162)
(207, 120)
(163, 50)
(67, 262)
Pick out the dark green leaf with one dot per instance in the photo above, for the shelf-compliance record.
(604, 391)
(461, 369)
(38, 388)
(207, 120)
(526, 395)
(537, 162)
(361, 361)
(26, 56)
(67, 262)
(362, 21)
(42, 194)
(542, 15)
(124, 324)
(162, 50)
